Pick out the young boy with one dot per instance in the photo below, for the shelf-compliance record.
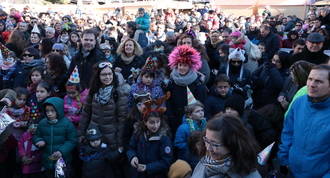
(56, 135)
(216, 100)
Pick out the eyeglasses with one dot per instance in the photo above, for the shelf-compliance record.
(27, 55)
(212, 144)
(104, 64)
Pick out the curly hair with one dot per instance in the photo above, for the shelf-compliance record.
(185, 54)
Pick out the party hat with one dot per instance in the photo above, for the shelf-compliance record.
(35, 29)
(74, 77)
(190, 97)
(264, 154)
(150, 64)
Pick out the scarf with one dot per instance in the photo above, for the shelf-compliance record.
(195, 126)
(183, 80)
(104, 94)
(216, 168)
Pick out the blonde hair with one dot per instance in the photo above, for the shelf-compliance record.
(138, 51)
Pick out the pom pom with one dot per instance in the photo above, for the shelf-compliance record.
(187, 55)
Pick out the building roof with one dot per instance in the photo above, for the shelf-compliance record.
(260, 2)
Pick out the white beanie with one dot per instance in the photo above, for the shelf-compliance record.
(237, 54)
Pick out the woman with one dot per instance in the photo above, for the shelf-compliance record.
(107, 108)
(17, 42)
(268, 80)
(190, 41)
(35, 39)
(292, 36)
(129, 52)
(74, 43)
(235, 70)
(184, 62)
(231, 151)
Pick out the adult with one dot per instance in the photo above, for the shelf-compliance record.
(129, 52)
(313, 52)
(107, 107)
(231, 150)
(184, 62)
(304, 139)
(88, 55)
(271, 40)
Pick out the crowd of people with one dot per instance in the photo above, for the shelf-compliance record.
(164, 93)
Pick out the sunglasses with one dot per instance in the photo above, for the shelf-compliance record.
(56, 50)
(27, 55)
(105, 64)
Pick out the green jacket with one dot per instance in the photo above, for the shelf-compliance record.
(61, 136)
(144, 22)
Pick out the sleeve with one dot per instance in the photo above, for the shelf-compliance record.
(275, 46)
(132, 147)
(38, 136)
(20, 146)
(8, 93)
(71, 139)
(275, 78)
(166, 156)
(181, 137)
(122, 110)
(286, 138)
(85, 117)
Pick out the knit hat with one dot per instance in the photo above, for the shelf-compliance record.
(237, 54)
(179, 169)
(235, 102)
(93, 133)
(68, 17)
(185, 54)
(236, 34)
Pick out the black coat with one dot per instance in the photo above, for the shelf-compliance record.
(178, 100)
(306, 55)
(85, 65)
(214, 103)
(272, 42)
(137, 63)
(213, 55)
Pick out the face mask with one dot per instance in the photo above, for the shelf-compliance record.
(64, 39)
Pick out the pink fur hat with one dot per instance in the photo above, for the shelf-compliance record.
(185, 54)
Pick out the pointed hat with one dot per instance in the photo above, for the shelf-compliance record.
(190, 97)
(35, 29)
(264, 154)
(74, 77)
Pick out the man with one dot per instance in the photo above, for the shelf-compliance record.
(297, 47)
(305, 142)
(88, 55)
(271, 41)
(313, 52)
(50, 34)
(211, 46)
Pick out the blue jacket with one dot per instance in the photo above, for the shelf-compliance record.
(156, 152)
(305, 139)
(143, 22)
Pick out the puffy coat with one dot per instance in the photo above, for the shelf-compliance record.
(137, 63)
(61, 136)
(156, 152)
(143, 22)
(110, 118)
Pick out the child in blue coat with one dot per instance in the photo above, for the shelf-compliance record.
(193, 121)
(150, 149)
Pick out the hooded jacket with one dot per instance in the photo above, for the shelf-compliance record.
(60, 136)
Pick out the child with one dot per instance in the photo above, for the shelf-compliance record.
(42, 93)
(74, 99)
(262, 48)
(19, 112)
(35, 77)
(95, 155)
(30, 154)
(142, 27)
(56, 135)
(146, 84)
(215, 102)
(150, 150)
(194, 121)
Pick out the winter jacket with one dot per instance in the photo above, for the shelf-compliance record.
(143, 22)
(36, 113)
(155, 91)
(61, 136)
(27, 149)
(305, 138)
(137, 63)
(302, 91)
(96, 161)
(85, 65)
(213, 54)
(204, 168)
(155, 151)
(214, 103)
(312, 57)
(181, 139)
(73, 107)
(110, 118)
(267, 84)
(272, 42)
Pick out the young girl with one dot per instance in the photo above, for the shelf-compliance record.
(150, 149)
(30, 154)
(35, 77)
(73, 102)
(194, 121)
(19, 112)
(146, 84)
(42, 93)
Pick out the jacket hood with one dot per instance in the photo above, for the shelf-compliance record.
(58, 104)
